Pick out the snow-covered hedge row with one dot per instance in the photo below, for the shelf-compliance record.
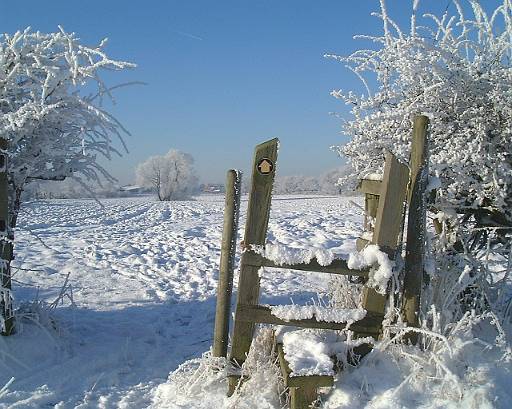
(457, 70)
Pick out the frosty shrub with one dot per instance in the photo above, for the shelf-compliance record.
(171, 176)
(456, 69)
(54, 129)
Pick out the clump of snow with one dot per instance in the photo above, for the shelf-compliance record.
(373, 176)
(370, 256)
(457, 370)
(308, 352)
(320, 313)
(281, 254)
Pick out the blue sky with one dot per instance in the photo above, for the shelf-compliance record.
(222, 76)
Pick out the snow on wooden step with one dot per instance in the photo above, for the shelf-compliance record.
(324, 314)
(308, 352)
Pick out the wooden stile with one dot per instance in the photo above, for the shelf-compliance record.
(384, 202)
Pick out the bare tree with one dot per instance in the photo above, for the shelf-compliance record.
(171, 176)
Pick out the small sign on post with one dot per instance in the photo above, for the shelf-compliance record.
(265, 166)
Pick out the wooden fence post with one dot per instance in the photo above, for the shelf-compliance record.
(227, 261)
(6, 237)
(388, 225)
(416, 227)
(258, 212)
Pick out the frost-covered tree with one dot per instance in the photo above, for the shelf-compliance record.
(455, 68)
(171, 176)
(332, 182)
(296, 184)
(54, 128)
(51, 95)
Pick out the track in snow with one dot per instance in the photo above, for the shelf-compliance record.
(144, 275)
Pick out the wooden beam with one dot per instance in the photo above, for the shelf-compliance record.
(338, 266)
(391, 204)
(263, 315)
(258, 211)
(227, 261)
(361, 243)
(416, 226)
(388, 227)
(372, 187)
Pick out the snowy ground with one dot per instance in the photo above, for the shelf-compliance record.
(143, 277)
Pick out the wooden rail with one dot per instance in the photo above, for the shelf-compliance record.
(338, 266)
(263, 315)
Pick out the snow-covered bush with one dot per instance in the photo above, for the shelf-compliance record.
(50, 103)
(171, 176)
(455, 68)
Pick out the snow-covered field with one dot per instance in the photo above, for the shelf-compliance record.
(141, 294)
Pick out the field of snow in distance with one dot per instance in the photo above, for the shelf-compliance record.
(142, 280)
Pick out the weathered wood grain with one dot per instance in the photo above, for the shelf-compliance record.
(338, 266)
(255, 234)
(262, 314)
(416, 225)
(227, 260)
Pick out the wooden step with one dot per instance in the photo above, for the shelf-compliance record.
(303, 389)
(372, 187)
(338, 266)
(261, 314)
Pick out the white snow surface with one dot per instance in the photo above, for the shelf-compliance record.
(143, 278)
(309, 352)
(281, 254)
(320, 313)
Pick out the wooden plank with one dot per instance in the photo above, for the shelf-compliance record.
(290, 381)
(6, 238)
(391, 204)
(262, 314)
(416, 226)
(302, 398)
(263, 172)
(370, 186)
(371, 205)
(388, 225)
(227, 261)
(361, 243)
(338, 266)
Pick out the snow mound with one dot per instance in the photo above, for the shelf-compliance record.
(370, 256)
(309, 352)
